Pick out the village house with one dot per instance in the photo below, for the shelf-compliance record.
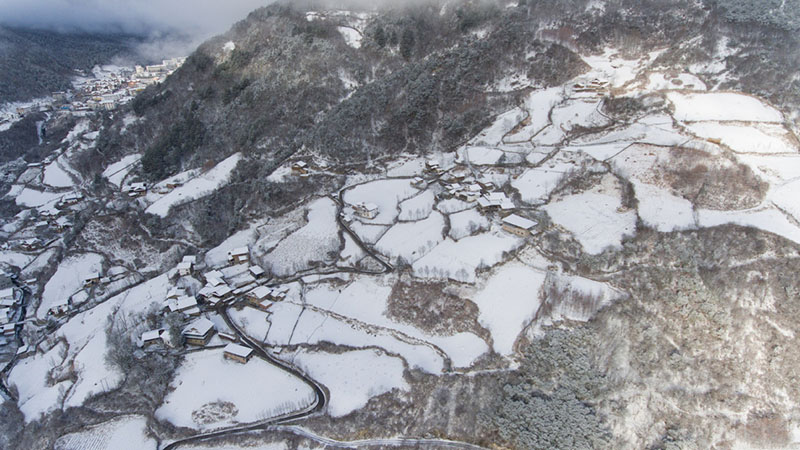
(59, 310)
(278, 293)
(433, 167)
(62, 224)
(153, 337)
(175, 293)
(222, 293)
(69, 200)
(29, 245)
(419, 183)
(518, 225)
(182, 304)
(9, 329)
(185, 268)
(214, 277)
(495, 201)
(239, 255)
(300, 168)
(238, 353)
(259, 295)
(366, 210)
(92, 279)
(25, 350)
(8, 293)
(198, 332)
(7, 302)
(257, 271)
(136, 190)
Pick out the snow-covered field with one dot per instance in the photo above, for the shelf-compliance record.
(508, 303)
(535, 185)
(412, 240)
(467, 222)
(386, 194)
(417, 207)
(459, 260)
(595, 219)
(722, 106)
(122, 433)
(366, 301)
(762, 138)
(198, 187)
(212, 392)
(353, 377)
(310, 243)
(67, 280)
(116, 173)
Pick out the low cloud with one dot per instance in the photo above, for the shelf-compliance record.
(192, 20)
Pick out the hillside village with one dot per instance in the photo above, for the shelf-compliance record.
(105, 89)
(415, 277)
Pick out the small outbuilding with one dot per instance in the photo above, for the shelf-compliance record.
(238, 353)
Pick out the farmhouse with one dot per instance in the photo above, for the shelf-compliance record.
(495, 201)
(222, 293)
(258, 295)
(92, 279)
(257, 271)
(238, 353)
(153, 337)
(213, 277)
(300, 168)
(366, 210)
(8, 329)
(183, 304)
(184, 268)
(518, 225)
(175, 293)
(419, 183)
(198, 332)
(239, 255)
(136, 189)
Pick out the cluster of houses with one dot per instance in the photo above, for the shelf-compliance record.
(594, 86)
(460, 184)
(101, 93)
(223, 285)
(10, 299)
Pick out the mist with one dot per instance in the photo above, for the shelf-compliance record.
(171, 27)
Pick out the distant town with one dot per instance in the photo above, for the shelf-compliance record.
(104, 88)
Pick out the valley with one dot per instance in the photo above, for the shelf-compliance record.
(607, 262)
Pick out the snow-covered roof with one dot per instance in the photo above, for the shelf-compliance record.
(7, 293)
(213, 281)
(519, 222)
(222, 290)
(256, 270)
(190, 259)
(184, 265)
(152, 335)
(239, 251)
(238, 350)
(213, 274)
(199, 327)
(260, 292)
(93, 276)
(185, 302)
